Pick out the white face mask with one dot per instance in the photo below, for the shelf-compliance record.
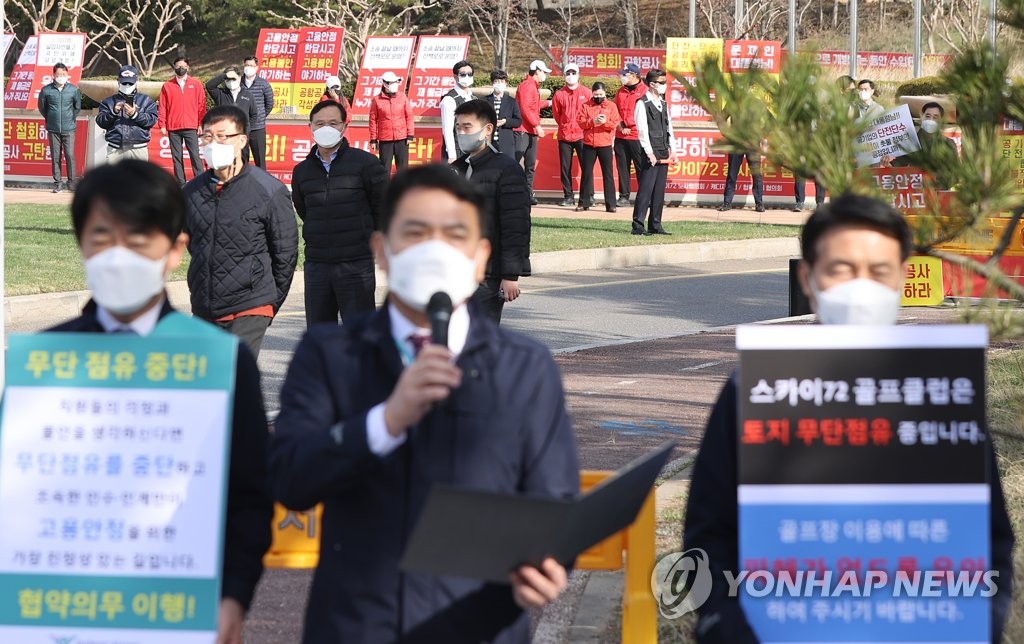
(232, 85)
(421, 270)
(218, 155)
(126, 89)
(122, 281)
(930, 126)
(572, 80)
(465, 81)
(499, 88)
(326, 136)
(392, 88)
(660, 89)
(858, 301)
(866, 94)
(249, 71)
(623, 79)
(60, 80)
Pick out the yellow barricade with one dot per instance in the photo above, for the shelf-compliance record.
(296, 544)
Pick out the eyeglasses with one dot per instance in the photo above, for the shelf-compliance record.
(659, 82)
(469, 75)
(220, 138)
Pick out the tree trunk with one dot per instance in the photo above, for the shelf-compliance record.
(835, 13)
(629, 9)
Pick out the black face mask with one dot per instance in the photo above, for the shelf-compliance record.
(598, 100)
(180, 71)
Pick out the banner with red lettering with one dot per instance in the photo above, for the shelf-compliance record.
(598, 61)
(872, 61)
(381, 54)
(744, 55)
(27, 149)
(34, 69)
(319, 56)
(431, 76)
(276, 50)
(1011, 137)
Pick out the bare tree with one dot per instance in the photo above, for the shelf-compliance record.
(631, 13)
(361, 18)
(140, 31)
(490, 21)
(548, 32)
(964, 24)
(43, 15)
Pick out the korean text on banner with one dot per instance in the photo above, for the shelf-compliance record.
(27, 152)
(744, 55)
(890, 135)
(381, 54)
(113, 456)
(682, 53)
(863, 460)
(602, 61)
(318, 57)
(432, 71)
(277, 50)
(34, 69)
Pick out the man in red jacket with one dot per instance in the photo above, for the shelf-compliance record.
(179, 115)
(391, 125)
(565, 107)
(627, 138)
(528, 97)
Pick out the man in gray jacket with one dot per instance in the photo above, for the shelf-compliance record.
(59, 103)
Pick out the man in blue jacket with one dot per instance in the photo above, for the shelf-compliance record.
(59, 103)
(372, 416)
(127, 116)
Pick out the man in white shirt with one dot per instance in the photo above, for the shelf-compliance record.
(455, 97)
(373, 414)
(654, 126)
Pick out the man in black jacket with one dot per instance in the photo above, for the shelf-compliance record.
(852, 238)
(337, 191)
(232, 93)
(507, 110)
(369, 423)
(128, 117)
(263, 96)
(137, 210)
(244, 240)
(507, 197)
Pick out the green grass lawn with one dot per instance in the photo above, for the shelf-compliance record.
(42, 256)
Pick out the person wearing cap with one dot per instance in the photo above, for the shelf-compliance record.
(507, 110)
(456, 96)
(263, 96)
(627, 139)
(127, 116)
(530, 105)
(180, 113)
(232, 93)
(391, 124)
(332, 92)
(565, 107)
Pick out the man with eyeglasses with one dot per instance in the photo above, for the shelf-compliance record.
(243, 237)
(456, 96)
(565, 107)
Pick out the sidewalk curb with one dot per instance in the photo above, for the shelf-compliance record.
(33, 312)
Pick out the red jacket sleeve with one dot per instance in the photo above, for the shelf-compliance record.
(373, 119)
(410, 124)
(161, 108)
(529, 104)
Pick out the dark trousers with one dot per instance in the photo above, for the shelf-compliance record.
(526, 151)
(62, 144)
(800, 188)
(486, 299)
(754, 164)
(565, 151)
(650, 194)
(258, 147)
(627, 152)
(394, 150)
(191, 139)
(587, 159)
(339, 289)
(250, 329)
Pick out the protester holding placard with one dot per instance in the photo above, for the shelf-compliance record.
(507, 109)
(853, 264)
(935, 146)
(128, 220)
(530, 105)
(128, 117)
(599, 120)
(456, 96)
(59, 103)
(391, 124)
(374, 414)
(263, 96)
(180, 115)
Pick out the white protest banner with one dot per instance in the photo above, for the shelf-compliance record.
(890, 135)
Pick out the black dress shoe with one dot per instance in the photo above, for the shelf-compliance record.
(660, 232)
(582, 208)
(623, 201)
(533, 201)
(759, 207)
(725, 207)
(568, 201)
(642, 232)
(612, 209)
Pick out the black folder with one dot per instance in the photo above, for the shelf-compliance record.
(486, 535)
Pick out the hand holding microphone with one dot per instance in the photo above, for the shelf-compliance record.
(431, 376)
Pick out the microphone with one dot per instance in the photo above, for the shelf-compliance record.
(439, 312)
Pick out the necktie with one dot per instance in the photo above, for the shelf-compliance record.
(418, 341)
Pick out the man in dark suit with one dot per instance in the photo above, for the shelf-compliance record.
(128, 220)
(369, 423)
(507, 109)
